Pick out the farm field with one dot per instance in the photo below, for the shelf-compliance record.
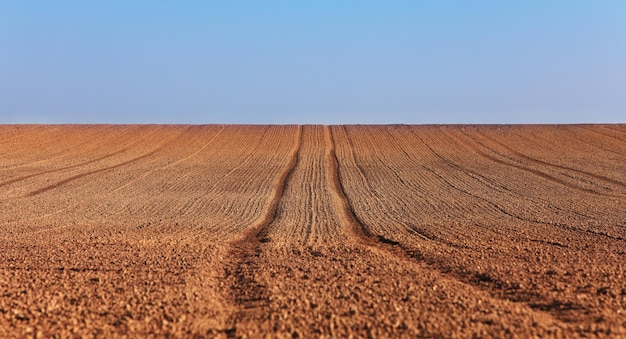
(312, 231)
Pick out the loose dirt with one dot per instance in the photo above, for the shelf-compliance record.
(312, 231)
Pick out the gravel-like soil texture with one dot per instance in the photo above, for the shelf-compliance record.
(312, 231)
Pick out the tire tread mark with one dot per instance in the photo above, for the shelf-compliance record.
(219, 132)
(522, 218)
(172, 164)
(614, 129)
(519, 217)
(346, 211)
(545, 163)
(78, 176)
(257, 230)
(487, 182)
(24, 177)
(579, 138)
(492, 183)
(383, 216)
(533, 171)
(494, 287)
(614, 140)
(56, 155)
(247, 292)
(596, 131)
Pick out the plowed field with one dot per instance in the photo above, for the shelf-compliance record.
(312, 231)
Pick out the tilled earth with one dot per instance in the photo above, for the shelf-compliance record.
(312, 231)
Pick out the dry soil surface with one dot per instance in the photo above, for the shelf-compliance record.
(312, 231)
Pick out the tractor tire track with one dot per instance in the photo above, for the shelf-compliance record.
(10, 181)
(548, 164)
(84, 147)
(172, 164)
(615, 129)
(40, 138)
(498, 185)
(533, 171)
(246, 292)
(315, 231)
(497, 206)
(126, 146)
(605, 136)
(340, 200)
(572, 134)
(362, 235)
(78, 176)
(492, 184)
(618, 146)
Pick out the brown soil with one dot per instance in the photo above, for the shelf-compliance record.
(313, 231)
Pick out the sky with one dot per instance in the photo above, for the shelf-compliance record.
(323, 62)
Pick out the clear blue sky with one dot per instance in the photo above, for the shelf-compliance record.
(312, 61)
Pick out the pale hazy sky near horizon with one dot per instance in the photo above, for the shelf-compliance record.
(327, 62)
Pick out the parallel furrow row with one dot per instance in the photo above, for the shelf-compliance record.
(246, 291)
(363, 234)
(549, 164)
(518, 165)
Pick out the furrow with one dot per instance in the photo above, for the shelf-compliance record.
(238, 180)
(312, 231)
(606, 142)
(40, 140)
(4, 183)
(222, 190)
(493, 184)
(343, 206)
(70, 179)
(531, 170)
(75, 142)
(548, 164)
(509, 212)
(615, 129)
(129, 142)
(150, 172)
(364, 236)
(607, 159)
(247, 292)
(526, 193)
(563, 306)
(606, 136)
(381, 206)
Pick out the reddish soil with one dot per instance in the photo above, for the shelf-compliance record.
(312, 231)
